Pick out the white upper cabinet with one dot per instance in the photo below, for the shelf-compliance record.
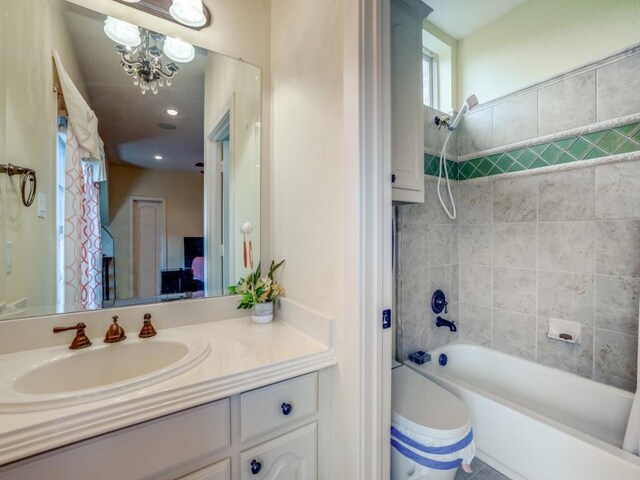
(407, 137)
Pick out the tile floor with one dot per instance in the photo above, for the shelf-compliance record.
(481, 471)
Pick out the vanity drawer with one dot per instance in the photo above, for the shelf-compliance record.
(217, 471)
(277, 405)
(141, 451)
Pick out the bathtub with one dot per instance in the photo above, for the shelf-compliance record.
(535, 422)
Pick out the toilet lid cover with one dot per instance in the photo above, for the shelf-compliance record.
(425, 407)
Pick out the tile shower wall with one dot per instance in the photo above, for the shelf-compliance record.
(427, 260)
(597, 93)
(563, 244)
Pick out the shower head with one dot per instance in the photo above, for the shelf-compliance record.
(469, 103)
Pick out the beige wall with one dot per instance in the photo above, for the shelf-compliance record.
(30, 117)
(3, 159)
(308, 178)
(541, 39)
(227, 79)
(184, 199)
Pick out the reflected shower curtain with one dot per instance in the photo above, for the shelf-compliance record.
(632, 437)
(82, 230)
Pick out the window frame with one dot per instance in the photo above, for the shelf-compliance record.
(433, 75)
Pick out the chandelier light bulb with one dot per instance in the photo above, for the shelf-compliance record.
(188, 12)
(178, 51)
(123, 33)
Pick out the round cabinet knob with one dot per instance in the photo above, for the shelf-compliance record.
(256, 466)
(287, 408)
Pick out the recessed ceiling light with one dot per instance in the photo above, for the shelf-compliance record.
(172, 112)
(167, 126)
(158, 157)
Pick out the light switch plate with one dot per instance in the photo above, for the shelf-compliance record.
(42, 205)
(8, 249)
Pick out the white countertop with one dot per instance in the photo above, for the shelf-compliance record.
(243, 356)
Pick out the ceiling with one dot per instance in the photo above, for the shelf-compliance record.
(461, 18)
(127, 120)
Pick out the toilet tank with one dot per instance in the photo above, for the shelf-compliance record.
(421, 405)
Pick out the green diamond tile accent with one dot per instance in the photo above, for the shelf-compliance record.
(539, 163)
(453, 169)
(595, 153)
(551, 154)
(580, 148)
(594, 137)
(629, 147)
(623, 139)
(516, 167)
(465, 169)
(476, 174)
(612, 142)
(538, 149)
(566, 158)
(485, 166)
(495, 170)
(504, 163)
(527, 158)
(431, 165)
(517, 153)
(628, 130)
(566, 143)
(475, 164)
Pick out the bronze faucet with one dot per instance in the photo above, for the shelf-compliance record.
(115, 332)
(80, 340)
(147, 329)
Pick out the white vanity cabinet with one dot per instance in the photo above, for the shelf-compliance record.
(407, 128)
(217, 471)
(286, 457)
(273, 432)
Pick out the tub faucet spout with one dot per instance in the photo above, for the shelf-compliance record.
(441, 322)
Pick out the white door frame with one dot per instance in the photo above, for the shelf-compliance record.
(217, 246)
(367, 346)
(163, 254)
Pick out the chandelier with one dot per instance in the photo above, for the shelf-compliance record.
(142, 54)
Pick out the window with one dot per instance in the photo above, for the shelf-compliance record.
(429, 78)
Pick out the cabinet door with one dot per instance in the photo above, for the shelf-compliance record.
(288, 457)
(407, 138)
(217, 471)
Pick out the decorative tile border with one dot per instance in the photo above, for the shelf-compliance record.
(432, 166)
(615, 141)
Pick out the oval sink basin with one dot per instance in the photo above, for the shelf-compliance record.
(57, 377)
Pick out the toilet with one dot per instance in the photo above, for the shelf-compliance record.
(431, 429)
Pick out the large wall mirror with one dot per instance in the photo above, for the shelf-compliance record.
(161, 202)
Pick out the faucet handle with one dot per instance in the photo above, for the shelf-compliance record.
(80, 340)
(147, 329)
(115, 332)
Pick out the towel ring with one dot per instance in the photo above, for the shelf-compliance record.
(28, 182)
(28, 194)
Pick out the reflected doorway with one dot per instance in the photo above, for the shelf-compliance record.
(148, 244)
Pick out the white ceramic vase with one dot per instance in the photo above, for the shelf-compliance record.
(262, 312)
